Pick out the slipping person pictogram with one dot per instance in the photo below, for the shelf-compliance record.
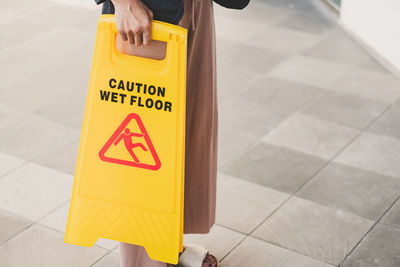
(127, 135)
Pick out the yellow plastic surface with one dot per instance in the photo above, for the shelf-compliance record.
(129, 176)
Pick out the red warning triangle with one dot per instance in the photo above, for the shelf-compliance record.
(130, 145)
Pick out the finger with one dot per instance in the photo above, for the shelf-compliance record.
(123, 35)
(131, 37)
(150, 13)
(138, 39)
(146, 38)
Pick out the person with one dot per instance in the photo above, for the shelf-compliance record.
(133, 19)
(127, 135)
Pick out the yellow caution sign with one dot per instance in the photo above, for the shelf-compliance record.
(129, 175)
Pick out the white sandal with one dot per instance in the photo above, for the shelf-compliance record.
(194, 256)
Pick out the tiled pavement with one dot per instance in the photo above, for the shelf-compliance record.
(309, 146)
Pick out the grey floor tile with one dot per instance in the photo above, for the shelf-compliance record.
(220, 241)
(63, 158)
(72, 70)
(9, 117)
(78, 4)
(282, 40)
(110, 260)
(67, 87)
(280, 95)
(4, 43)
(231, 144)
(9, 163)
(89, 22)
(57, 220)
(37, 11)
(42, 18)
(315, 230)
(306, 23)
(25, 95)
(376, 66)
(241, 123)
(275, 167)
(26, 26)
(374, 153)
(41, 246)
(253, 12)
(306, 7)
(338, 46)
(40, 51)
(310, 71)
(13, 10)
(256, 59)
(231, 29)
(393, 215)
(346, 109)
(11, 225)
(389, 123)
(370, 84)
(380, 247)
(32, 135)
(239, 115)
(292, 4)
(33, 191)
(232, 80)
(363, 193)
(254, 252)
(107, 243)
(221, 47)
(311, 136)
(65, 13)
(242, 205)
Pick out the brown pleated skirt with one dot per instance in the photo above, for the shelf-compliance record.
(201, 129)
(201, 117)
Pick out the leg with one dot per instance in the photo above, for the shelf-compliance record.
(139, 145)
(136, 256)
(133, 155)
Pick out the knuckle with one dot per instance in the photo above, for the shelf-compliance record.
(131, 31)
(146, 25)
(136, 29)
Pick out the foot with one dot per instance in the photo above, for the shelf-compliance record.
(210, 261)
(197, 256)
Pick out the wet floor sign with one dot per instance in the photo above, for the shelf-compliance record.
(129, 175)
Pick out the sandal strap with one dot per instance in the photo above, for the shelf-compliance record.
(192, 256)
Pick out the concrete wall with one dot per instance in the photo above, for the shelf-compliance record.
(377, 23)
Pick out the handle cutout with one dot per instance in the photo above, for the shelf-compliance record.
(155, 50)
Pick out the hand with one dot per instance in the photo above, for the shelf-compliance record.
(133, 21)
